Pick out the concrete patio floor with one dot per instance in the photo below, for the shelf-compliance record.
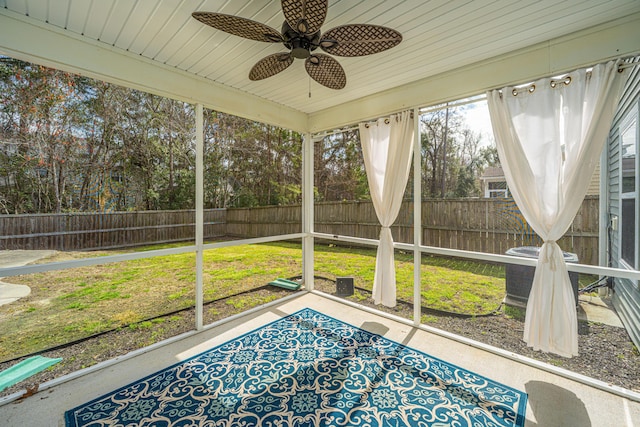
(554, 400)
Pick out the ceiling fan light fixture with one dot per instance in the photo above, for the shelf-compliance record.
(300, 48)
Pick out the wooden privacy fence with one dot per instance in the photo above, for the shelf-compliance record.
(87, 231)
(483, 225)
(264, 221)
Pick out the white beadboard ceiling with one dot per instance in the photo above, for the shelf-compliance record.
(438, 36)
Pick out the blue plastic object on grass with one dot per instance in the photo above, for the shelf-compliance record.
(25, 369)
(286, 284)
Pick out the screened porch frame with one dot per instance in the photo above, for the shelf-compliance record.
(36, 43)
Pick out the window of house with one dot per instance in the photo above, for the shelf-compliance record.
(629, 190)
(498, 189)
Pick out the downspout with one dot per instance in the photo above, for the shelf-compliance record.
(604, 222)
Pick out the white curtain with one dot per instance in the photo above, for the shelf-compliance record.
(387, 145)
(549, 137)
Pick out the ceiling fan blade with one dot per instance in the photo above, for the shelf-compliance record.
(238, 26)
(270, 66)
(326, 71)
(359, 40)
(305, 16)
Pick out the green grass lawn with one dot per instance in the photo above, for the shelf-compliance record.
(452, 285)
(70, 304)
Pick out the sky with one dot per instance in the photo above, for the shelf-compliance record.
(477, 117)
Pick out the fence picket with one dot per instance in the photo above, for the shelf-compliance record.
(485, 225)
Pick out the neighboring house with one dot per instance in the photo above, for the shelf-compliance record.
(621, 204)
(494, 184)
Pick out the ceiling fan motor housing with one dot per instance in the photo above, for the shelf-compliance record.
(301, 45)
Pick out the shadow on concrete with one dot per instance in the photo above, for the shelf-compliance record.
(375, 327)
(555, 406)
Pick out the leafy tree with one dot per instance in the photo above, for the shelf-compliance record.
(171, 129)
(71, 143)
(438, 146)
(339, 168)
(453, 157)
(249, 163)
(39, 112)
(101, 177)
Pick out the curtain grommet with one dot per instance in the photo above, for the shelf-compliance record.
(566, 80)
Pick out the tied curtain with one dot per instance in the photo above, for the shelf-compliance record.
(387, 145)
(549, 137)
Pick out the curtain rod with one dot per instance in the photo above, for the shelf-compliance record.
(324, 134)
(633, 61)
(453, 104)
(628, 64)
(563, 73)
(352, 127)
(422, 110)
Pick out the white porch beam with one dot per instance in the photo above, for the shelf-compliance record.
(29, 40)
(417, 219)
(199, 216)
(308, 267)
(614, 39)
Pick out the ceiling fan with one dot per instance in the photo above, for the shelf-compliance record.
(301, 35)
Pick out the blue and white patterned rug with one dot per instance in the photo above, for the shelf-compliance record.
(308, 369)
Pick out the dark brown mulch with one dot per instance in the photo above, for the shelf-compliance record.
(606, 352)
